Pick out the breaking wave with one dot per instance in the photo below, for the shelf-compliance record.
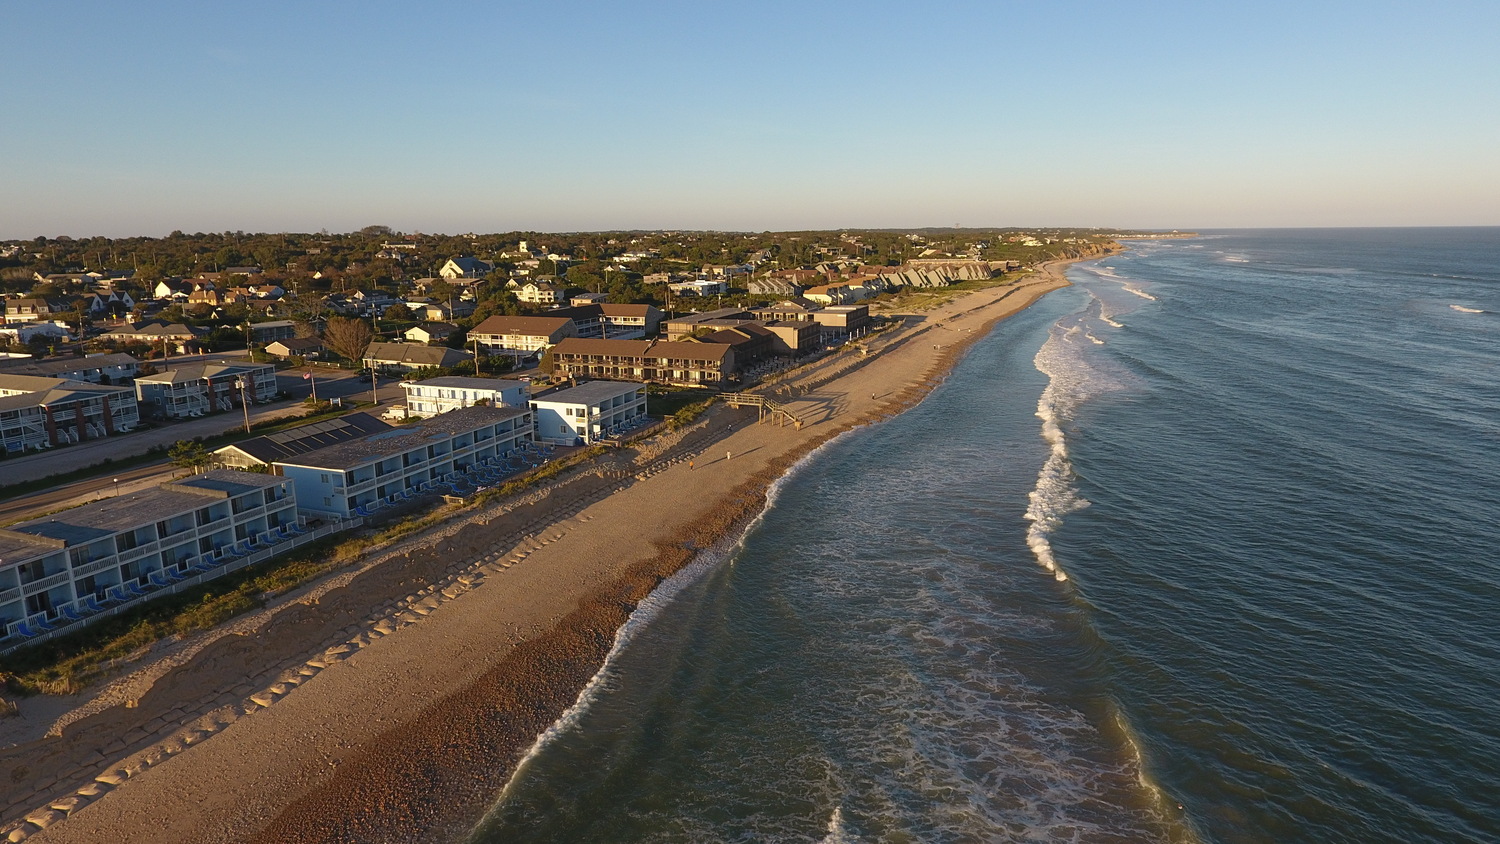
(1463, 310)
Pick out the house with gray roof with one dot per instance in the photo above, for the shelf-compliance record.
(39, 412)
(404, 357)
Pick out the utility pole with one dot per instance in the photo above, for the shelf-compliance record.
(242, 382)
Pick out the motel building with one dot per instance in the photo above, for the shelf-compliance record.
(589, 412)
(195, 389)
(448, 451)
(455, 392)
(65, 567)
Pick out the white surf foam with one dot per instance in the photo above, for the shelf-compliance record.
(1463, 310)
(644, 613)
(837, 833)
(1139, 292)
(1109, 321)
(1075, 375)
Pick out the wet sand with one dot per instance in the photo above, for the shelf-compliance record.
(391, 702)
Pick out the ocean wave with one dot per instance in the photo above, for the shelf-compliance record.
(647, 611)
(1139, 292)
(837, 833)
(1463, 310)
(1111, 322)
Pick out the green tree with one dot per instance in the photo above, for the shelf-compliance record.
(190, 455)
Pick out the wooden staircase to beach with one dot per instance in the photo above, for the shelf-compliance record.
(768, 407)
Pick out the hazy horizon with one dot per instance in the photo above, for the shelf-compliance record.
(137, 121)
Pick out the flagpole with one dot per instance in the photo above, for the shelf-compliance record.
(309, 376)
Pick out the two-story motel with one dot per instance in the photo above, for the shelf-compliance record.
(381, 468)
(66, 566)
(587, 413)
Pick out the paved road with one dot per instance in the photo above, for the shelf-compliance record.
(330, 383)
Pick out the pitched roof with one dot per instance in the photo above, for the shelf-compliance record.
(538, 326)
(414, 354)
(643, 349)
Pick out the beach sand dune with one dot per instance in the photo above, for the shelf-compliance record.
(396, 697)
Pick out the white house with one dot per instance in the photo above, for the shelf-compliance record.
(466, 267)
(589, 412)
(443, 394)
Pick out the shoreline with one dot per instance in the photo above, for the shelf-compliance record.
(390, 746)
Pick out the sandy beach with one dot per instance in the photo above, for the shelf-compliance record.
(391, 701)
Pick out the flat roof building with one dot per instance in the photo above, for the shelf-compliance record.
(432, 396)
(589, 412)
(67, 566)
(353, 477)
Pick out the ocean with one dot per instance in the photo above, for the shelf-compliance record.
(1203, 548)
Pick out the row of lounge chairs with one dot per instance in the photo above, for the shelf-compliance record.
(139, 587)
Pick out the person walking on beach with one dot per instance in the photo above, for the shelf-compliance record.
(728, 454)
(690, 465)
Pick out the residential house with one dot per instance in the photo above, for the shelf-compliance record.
(195, 389)
(833, 294)
(428, 333)
(41, 412)
(842, 321)
(23, 332)
(693, 364)
(270, 332)
(36, 310)
(295, 347)
(350, 478)
(589, 412)
(699, 287)
(64, 567)
(466, 267)
(578, 299)
(628, 322)
(772, 286)
(539, 293)
(113, 304)
(521, 334)
(404, 357)
(432, 396)
(157, 334)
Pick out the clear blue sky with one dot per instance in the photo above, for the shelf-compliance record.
(139, 118)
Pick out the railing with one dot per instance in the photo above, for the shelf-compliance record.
(124, 556)
(44, 583)
(10, 640)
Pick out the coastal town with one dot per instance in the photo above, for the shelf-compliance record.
(237, 424)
